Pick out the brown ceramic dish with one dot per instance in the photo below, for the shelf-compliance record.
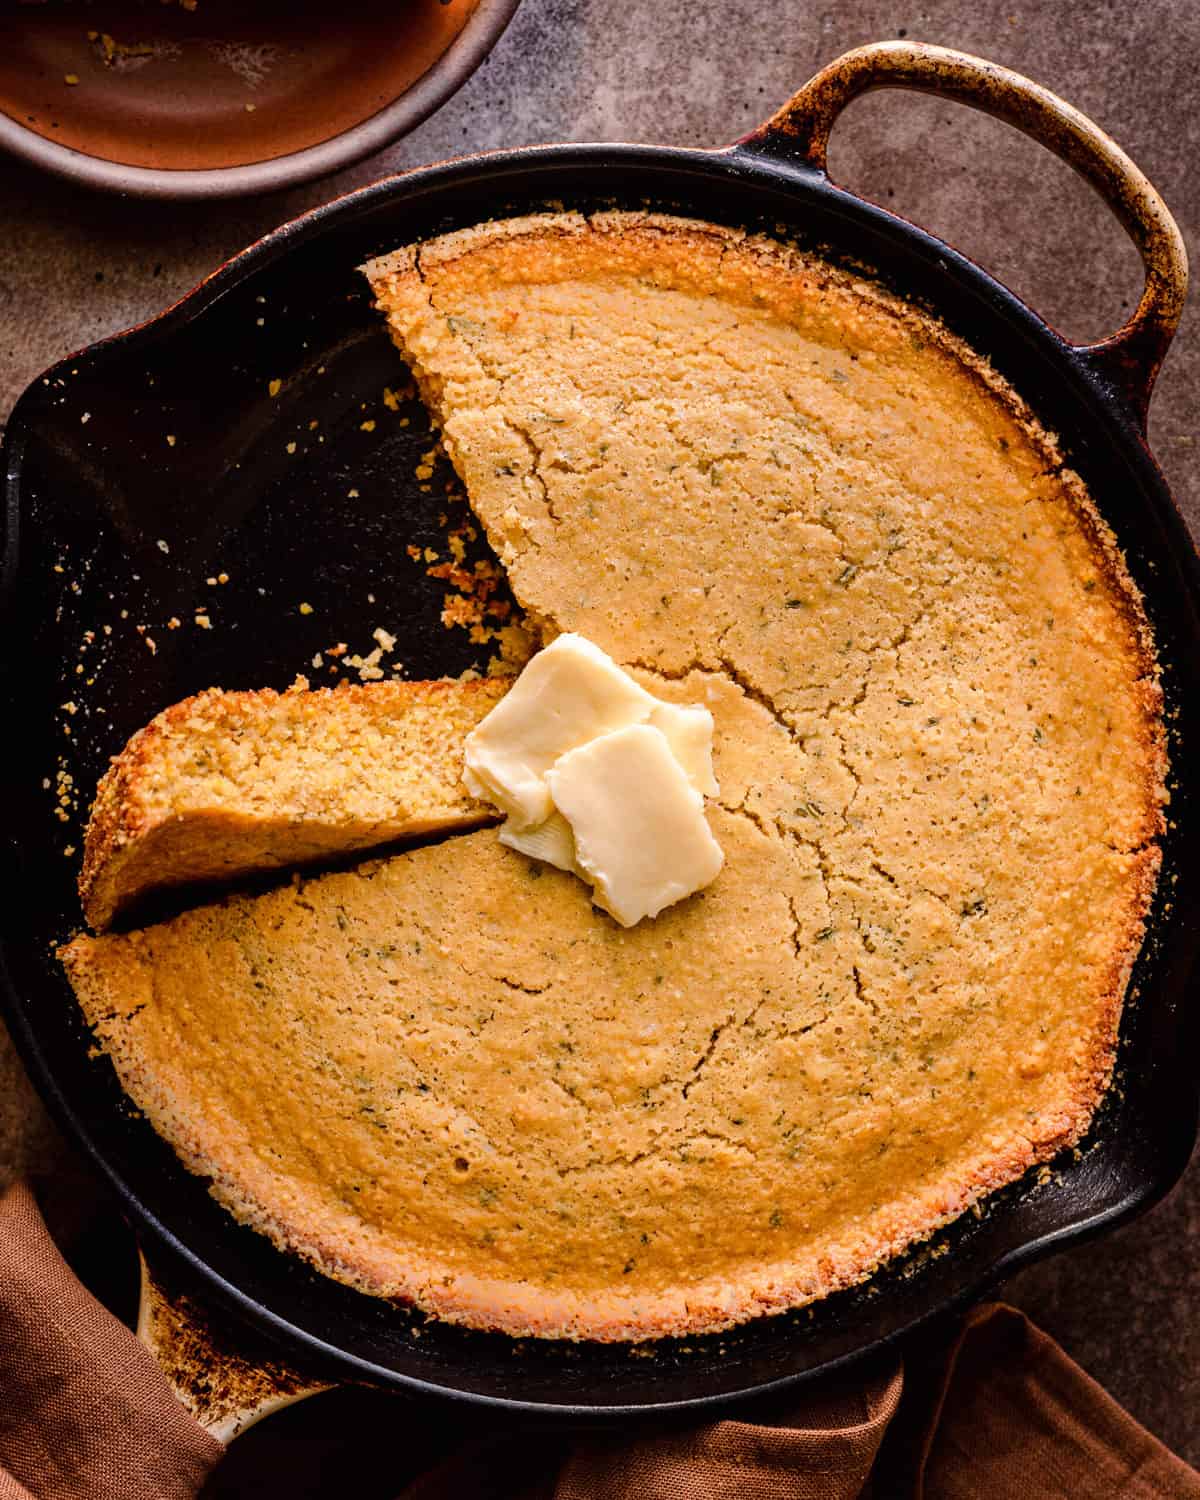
(223, 99)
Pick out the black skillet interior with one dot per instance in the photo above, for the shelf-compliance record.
(140, 469)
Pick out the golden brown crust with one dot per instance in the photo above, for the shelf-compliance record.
(285, 781)
(773, 488)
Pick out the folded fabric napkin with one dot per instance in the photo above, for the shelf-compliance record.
(995, 1411)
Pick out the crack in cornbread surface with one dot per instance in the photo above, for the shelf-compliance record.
(228, 783)
(776, 490)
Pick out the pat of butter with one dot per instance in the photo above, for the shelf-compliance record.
(641, 836)
(571, 693)
(568, 694)
(551, 841)
(570, 698)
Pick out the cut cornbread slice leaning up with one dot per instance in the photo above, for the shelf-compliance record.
(228, 784)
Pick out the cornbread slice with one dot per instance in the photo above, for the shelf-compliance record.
(226, 784)
(764, 484)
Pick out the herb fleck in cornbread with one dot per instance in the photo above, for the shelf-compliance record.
(773, 489)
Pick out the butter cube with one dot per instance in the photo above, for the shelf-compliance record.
(641, 836)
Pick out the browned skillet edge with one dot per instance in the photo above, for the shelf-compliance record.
(225, 1376)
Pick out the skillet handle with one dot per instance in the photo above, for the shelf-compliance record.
(227, 1381)
(1130, 359)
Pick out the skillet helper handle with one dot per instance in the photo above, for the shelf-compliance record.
(1130, 359)
(228, 1381)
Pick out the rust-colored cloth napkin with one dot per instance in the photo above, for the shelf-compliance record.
(995, 1412)
(84, 1411)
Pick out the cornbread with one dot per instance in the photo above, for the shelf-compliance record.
(776, 490)
(226, 784)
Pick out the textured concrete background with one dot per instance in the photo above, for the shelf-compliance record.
(74, 267)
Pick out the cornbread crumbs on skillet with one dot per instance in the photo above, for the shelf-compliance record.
(770, 487)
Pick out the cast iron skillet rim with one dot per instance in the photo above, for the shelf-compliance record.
(1103, 401)
(742, 161)
(1106, 400)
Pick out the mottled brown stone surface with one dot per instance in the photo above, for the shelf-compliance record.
(74, 267)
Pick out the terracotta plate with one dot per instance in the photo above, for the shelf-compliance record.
(217, 97)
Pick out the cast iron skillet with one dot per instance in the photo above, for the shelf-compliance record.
(160, 458)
